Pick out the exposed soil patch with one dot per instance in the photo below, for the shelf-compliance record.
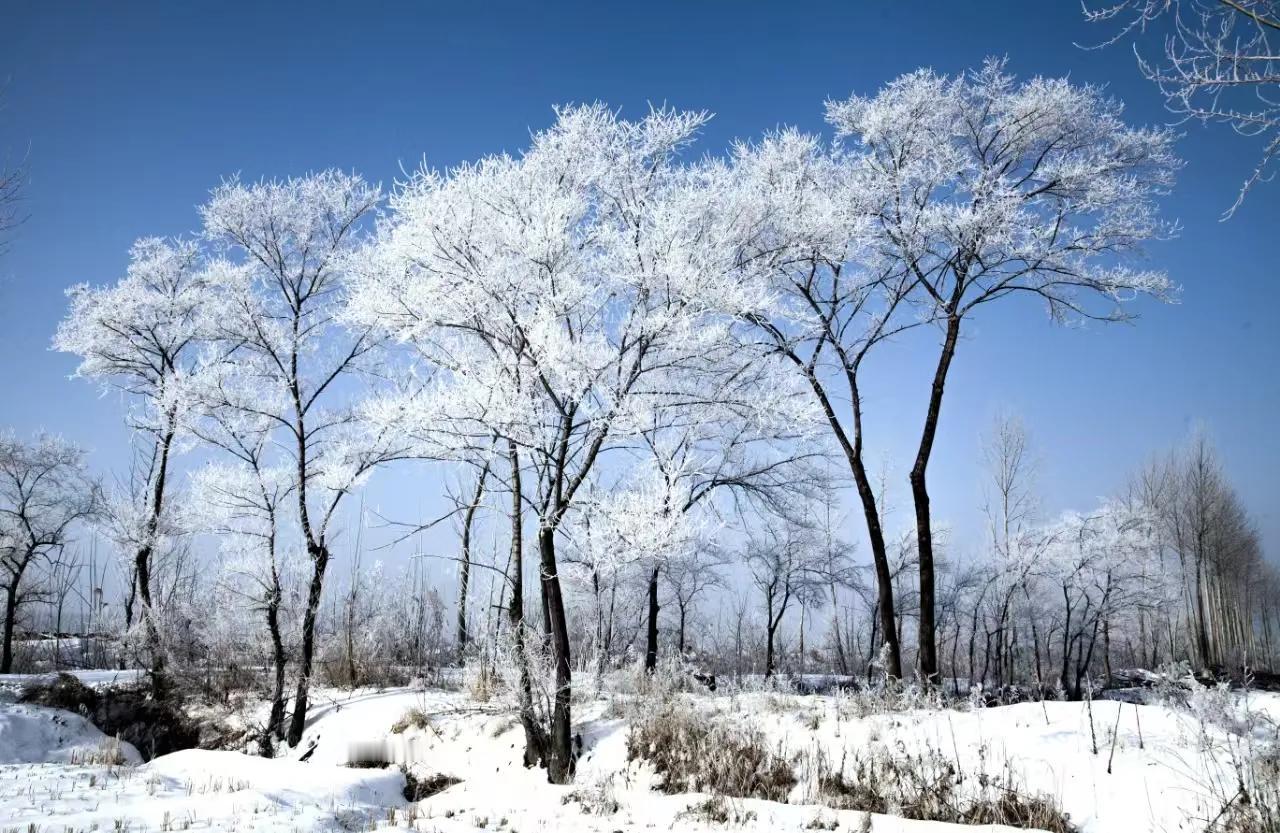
(154, 727)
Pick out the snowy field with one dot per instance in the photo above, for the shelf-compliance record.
(1157, 768)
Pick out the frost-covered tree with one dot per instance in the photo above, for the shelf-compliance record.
(1221, 64)
(743, 441)
(277, 335)
(689, 580)
(1097, 566)
(1217, 549)
(797, 218)
(1017, 545)
(643, 526)
(142, 337)
(45, 491)
(245, 502)
(556, 300)
(981, 188)
(786, 567)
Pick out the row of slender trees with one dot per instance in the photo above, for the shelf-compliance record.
(1050, 606)
(636, 353)
(1042, 604)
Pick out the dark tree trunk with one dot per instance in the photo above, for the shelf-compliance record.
(464, 576)
(320, 561)
(10, 621)
(842, 662)
(536, 742)
(927, 648)
(866, 495)
(275, 722)
(142, 562)
(130, 599)
(546, 618)
(884, 576)
(768, 652)
(1106, 648)
(651, 641)
(955, 665)
(871, 645)
(1066, 639)
(772, 623)
(353, 673)
(560, 761)
(973, 639)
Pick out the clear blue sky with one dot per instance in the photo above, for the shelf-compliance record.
(132, 111)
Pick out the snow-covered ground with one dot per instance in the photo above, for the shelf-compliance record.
(1166, 766)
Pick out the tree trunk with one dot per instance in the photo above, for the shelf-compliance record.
(560, 763)
(536, 742)
(871, 645)
(927, 650)
(10, 621)
(353, 674)
(142, 561)
(651, 640)
(535, 737)
(884, 576)
(275, 722)
(870, 512)
(842, 662)
(464, 576)
(320, 561)
(1106, 649)
(680, 640)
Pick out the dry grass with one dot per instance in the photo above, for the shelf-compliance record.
(597, 801)
(106, 753)
(697, 752)
(928, 787)
(718, 810)
(414, 718)
(1255, 805)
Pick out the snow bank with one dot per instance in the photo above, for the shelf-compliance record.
(283, 783)
(36, 735)
(198, 789)
(1162, 774)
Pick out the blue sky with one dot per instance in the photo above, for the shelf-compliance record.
(131, 112)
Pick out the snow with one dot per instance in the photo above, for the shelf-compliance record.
(36, 735)
(1161, 780)
(45, 780)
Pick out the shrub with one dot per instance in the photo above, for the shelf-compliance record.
(1247, 800)
(718, 810)
(364, 672)
(416, 789)
(414, 718)
(598, 800)
(64, 692)
(697, 752)
(482, 681)
(1255, 805)
(928, 787)
(107, 753)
